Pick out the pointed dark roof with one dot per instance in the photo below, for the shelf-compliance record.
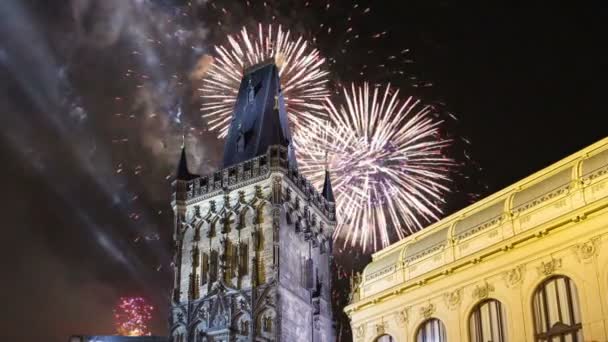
(327, 191)
(259, 119)
(182, 168)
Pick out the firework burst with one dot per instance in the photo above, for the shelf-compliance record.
(387, 163)
(132, 315)
(303, 80)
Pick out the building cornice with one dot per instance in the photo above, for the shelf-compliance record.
(504, 194)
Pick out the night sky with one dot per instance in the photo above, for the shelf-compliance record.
(95, 96)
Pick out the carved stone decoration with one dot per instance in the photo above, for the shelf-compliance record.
(380, 328)
(587, 250)
(276, 190)
(258, 192)
(514, 276)
(548, 268)
(360, 332)
(402, 316)
(453, 299)
(227, 200)
(427, 311)
(203, 314)
(482, 291)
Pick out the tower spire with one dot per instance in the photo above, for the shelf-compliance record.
(327, 192)
(182, 168)
(260, 118)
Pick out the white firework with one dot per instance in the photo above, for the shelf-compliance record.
(387, 163)
(303, 79)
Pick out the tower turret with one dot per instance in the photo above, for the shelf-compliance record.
(327, 192)
(182, 168)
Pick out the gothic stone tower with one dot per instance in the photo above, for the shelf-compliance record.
(253, 240)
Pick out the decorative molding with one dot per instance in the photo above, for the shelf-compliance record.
(548, 268)
(427, 311)
(380, 272)
(514, 276)
(426, 252)
(563, 189)
(595, 174)
(453, 299)
(483, 291)
(587, 250)
(494, 221)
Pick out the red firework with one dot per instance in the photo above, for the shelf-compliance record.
(132, 315)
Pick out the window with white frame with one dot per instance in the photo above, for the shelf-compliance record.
(431, 330)
(556, 311)
(487, 322)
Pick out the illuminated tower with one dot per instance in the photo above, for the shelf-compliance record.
(253, 240)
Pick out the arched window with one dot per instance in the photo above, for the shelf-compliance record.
(432, 330)
(487, 322)
(213, 267)
(205, 268)
(556, 311)
(244, 256)
(385, 338)
(178, 336)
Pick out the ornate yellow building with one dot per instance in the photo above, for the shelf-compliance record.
(528, 263)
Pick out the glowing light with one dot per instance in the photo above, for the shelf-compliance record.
(303, 80)
(132, 315)
(386, 158)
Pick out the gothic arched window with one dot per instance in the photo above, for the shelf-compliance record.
(244, 256)
(556, 311)
(385, 338)
(244, 327)
(487, 322)
(204, 268)
(431, 330)
(213, 267)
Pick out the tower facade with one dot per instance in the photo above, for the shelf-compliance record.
(253, 240)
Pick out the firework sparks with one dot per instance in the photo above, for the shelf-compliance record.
(303, 79)
(387, 163)
(132, 316)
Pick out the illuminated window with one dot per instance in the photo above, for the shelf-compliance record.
(487, 322)
(556, 311)
(432, 330)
